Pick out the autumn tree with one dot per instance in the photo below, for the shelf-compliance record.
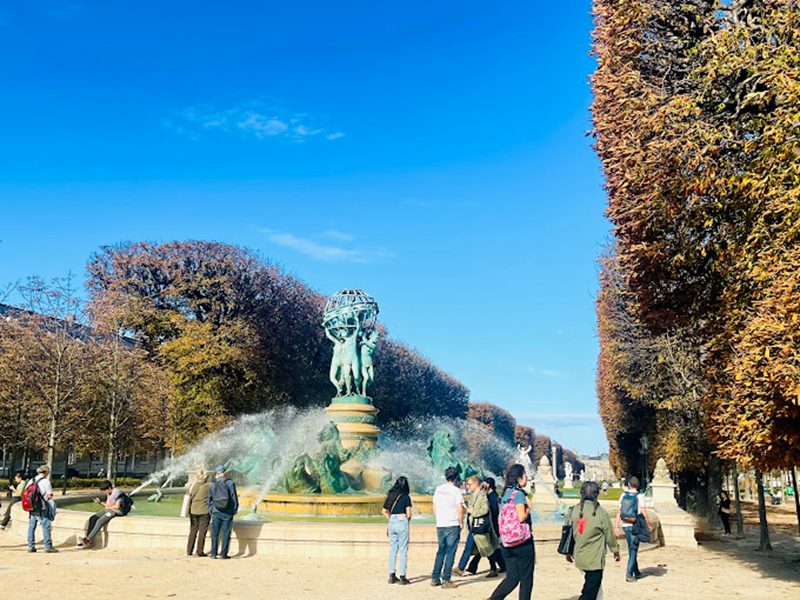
(237, 335)
(120, 385)
(697, 131)
(16, 394)
(50, 355)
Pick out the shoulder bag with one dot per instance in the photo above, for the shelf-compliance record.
(566, 545)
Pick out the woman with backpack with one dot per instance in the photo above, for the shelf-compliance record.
(592, 532)
(516, 536)
(397, 508)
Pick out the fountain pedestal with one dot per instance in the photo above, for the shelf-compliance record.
(355, 418)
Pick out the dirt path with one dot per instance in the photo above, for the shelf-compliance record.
(719, 569)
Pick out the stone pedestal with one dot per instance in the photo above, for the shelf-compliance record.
(354, 417)
(677, 526)
(545, 472)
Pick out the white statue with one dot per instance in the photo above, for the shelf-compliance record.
(582, 475)
(567, 475)
(525, 459)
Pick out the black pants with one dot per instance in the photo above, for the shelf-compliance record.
(496, 562)
(519, 571)
(592, 581)
(726, 521)
(98, 520)
(198, 526)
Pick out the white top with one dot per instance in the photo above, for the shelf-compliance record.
(446, 501)
(640, 500)
(45, 487)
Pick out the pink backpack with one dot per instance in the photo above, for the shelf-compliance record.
(512, 532)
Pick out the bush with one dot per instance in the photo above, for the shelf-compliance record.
(93, 483)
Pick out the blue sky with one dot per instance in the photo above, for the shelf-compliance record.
(431, 153)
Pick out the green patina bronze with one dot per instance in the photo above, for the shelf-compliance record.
(349, 320)
(351, 400)
(441, 453)
(321, 473)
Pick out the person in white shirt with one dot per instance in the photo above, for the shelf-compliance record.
(43, 511)
(632, 504)
(448, 507)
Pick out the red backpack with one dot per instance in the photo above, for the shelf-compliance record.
(32, 496)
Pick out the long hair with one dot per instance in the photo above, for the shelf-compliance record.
(589, 491)
(513, 475)
(399, 488)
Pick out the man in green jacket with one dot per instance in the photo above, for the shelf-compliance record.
(593, 533)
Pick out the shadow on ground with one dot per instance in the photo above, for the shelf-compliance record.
(782, 562)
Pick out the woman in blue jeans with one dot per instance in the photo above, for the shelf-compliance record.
(397, 508)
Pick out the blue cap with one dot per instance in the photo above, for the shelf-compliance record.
(220, 469)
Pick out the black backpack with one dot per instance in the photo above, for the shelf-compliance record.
(629, 507)
(125, 504)
(220, 495)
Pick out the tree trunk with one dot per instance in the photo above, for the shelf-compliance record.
(66, 466)
(12, 463)
(51, 442)
(763, 543)
(796, 498)
(713, 486)
(111, 471)
(739, 519)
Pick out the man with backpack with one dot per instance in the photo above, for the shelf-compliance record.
(37, 501)
(631, 505)
(117, 504)
(223, 503)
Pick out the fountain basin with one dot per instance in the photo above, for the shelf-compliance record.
(276, 538)
(326, 505)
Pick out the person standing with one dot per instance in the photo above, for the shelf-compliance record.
(397, 508)
(16, 495)
(496, 563)
(593, 533)
(43, 509)
(199, 516)
(725, 511)
(223, 503)
(482, 536)
(631, 504)
(448, 508)
(519, 555)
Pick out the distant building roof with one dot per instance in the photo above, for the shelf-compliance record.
(76, 330)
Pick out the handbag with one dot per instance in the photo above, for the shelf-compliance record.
(566, 545)
(480, 525)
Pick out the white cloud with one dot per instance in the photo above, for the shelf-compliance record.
(326, 252)
(339, 236)
(252, 119)
(549, 373)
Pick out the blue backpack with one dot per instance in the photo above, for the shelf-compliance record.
(629, 507)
